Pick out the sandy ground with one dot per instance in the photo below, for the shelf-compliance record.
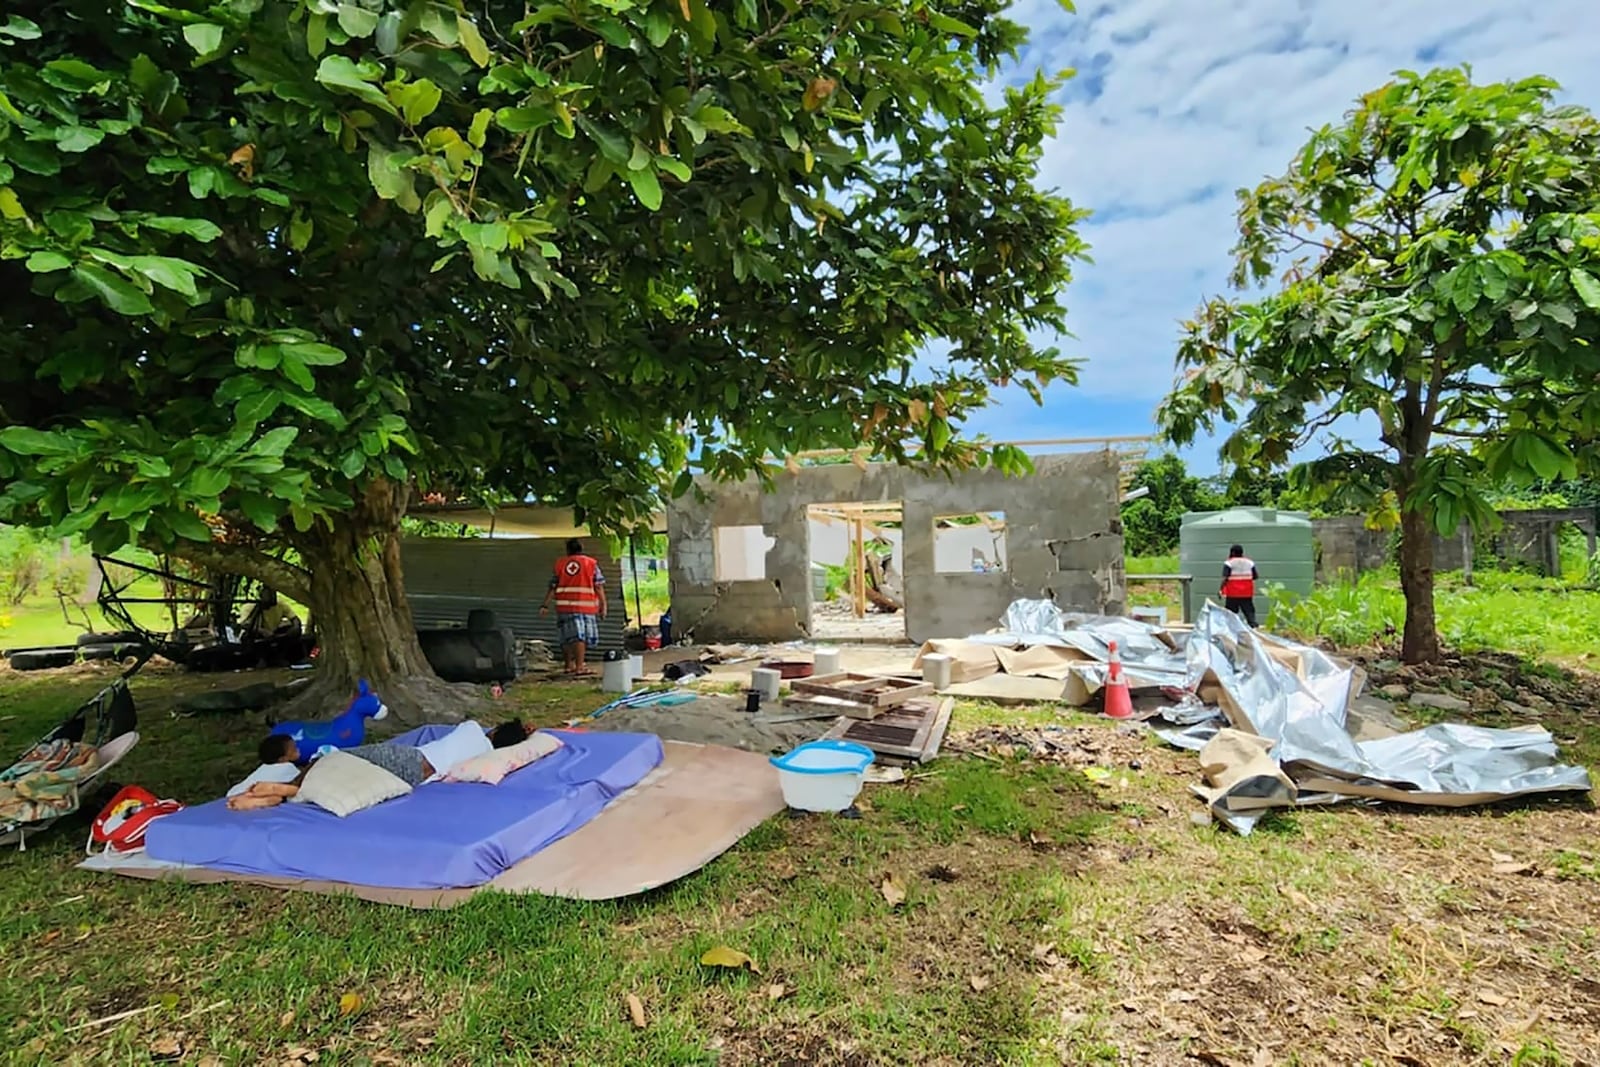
(712, 720)
(871, 659)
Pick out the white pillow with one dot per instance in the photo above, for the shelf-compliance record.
(457, 746)
(345, 784)
(494, 765)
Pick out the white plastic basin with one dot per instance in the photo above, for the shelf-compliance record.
(823, 775)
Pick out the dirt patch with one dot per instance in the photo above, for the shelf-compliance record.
(711, 720)
(1068, 746)
(1492, 681)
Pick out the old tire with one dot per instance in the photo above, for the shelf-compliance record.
(44, 660)
(115, 637)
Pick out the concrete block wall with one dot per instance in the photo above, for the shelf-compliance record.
(1345, 545)
(1063, 542)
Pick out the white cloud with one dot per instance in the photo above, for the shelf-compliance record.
(1180, 102)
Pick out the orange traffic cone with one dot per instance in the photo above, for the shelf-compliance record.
(1119, 703)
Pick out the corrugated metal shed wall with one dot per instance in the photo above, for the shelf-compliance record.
(447, 578)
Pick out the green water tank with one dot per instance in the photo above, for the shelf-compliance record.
(1280, 542)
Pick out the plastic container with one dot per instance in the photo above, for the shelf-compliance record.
(823, 775)
(1280, 542)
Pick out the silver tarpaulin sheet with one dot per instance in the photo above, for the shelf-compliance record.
(1148, 655)
(1302, 712)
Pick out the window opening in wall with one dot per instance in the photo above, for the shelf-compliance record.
(857, 571)
(970, 544)
(740, 553)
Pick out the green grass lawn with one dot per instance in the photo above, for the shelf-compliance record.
(1543, 618)
(38, 620)
(1047, 919)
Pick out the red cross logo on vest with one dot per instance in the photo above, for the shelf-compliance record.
(575, 592)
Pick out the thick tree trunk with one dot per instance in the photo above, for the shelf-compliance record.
(1421, 641)
(363, 622)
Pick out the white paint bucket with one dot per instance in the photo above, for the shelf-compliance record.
(635, 667)
(614, 677)
(936, 670)
(827, 661)
(766, 683)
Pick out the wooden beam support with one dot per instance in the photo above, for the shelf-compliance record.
(860, 571)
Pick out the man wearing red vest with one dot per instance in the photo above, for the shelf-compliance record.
(579, 590)
(1239, 580)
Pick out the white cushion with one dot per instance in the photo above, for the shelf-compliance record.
(494, 765)
(345, 784)
(457, 746)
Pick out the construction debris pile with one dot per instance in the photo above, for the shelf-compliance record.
(1269, 717)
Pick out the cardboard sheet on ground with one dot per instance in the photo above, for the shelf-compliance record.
(696, 805)
(1010, 689)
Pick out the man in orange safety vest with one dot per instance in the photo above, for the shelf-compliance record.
(580, 595)
(1239, 580)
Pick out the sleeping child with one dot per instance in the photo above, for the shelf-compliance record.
(277, 779)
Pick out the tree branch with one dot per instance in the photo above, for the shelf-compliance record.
(291, 581)
(1441, 353)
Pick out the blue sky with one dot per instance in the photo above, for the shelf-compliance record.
(1178, 103)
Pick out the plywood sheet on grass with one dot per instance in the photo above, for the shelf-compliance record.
(695, 806)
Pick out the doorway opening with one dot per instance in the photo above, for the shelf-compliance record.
(857, 572)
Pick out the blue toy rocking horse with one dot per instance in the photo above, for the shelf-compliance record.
(348, 730)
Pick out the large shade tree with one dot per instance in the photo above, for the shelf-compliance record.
(270, 268)
(1437, 258)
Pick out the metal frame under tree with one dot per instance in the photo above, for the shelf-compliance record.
(220, 598)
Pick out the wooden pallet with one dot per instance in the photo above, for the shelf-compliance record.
(874, 691)
(813, 706)
(913, 731)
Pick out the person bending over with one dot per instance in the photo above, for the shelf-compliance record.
(412, 764)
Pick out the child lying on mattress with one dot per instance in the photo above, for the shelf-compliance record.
(277, 779)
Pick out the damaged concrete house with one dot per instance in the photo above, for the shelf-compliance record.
(740, 557)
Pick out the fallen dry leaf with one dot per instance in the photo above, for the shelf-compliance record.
(286, 1020)
(1513, 867)
(893, 892)
(777, 991)
(1502, 857)
(732, 958)
(979, 983)
(49, 937)
(636, 1011)
(167, 1048)
(1491, 998)
(349, 1004)
(1297, 898)
(1181, 996)
(958, 807)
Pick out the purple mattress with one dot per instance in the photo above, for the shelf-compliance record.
(439, 836)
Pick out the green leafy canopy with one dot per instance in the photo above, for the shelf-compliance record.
(258, 257)
(1438, 254)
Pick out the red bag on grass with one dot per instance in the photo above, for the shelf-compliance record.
(121, 824)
